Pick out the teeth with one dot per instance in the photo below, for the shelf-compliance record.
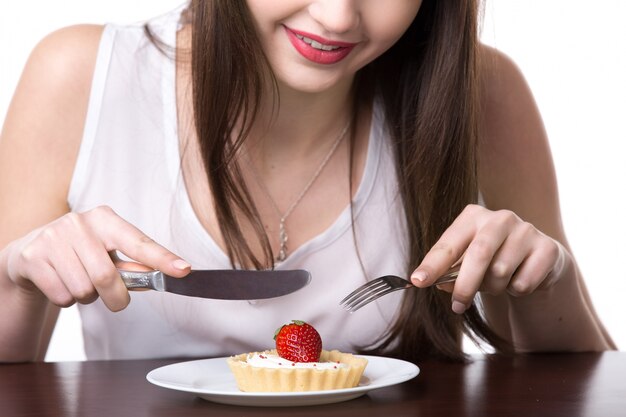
(316, 44)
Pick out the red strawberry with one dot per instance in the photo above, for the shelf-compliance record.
(298, 342)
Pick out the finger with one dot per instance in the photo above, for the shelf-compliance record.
(83, 263)
(508, 258)
(71, 272)
(476, 261)
(131, 266)
(556, 254)
(534, 271)
(445, 253)
(120, 235)
(46, 279)
(127, 265)
(103, 274)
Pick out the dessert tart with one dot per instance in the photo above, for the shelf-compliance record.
(268, 372)
(298, 364)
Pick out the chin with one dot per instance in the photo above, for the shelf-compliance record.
(305, 82)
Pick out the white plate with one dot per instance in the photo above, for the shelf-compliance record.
(212, 380)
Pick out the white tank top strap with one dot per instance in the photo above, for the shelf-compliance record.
(93, 113)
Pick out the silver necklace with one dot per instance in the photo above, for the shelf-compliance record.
(282, 231)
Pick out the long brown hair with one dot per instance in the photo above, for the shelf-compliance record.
(432, 110)
(428, 86)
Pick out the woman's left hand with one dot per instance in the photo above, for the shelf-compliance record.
(500, 252)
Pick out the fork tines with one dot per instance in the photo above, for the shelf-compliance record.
(367, 293)
(375, 289)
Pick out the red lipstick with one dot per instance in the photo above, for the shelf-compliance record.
(317, 49)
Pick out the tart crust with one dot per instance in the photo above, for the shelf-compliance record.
(259, 379)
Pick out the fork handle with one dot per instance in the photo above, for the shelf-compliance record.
(449, 276)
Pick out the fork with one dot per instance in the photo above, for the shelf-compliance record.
(378, 287)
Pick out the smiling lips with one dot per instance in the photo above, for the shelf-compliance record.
(317, 49)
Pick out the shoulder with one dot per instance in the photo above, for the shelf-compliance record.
(62, 63)
(501, 78)
(43, 126)
(57, 77)
(55, 86)
(510, 116)
(516, 170)
(58, 73)
(80, 35)
(509, 113)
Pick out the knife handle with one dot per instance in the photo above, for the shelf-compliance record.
(152, 280)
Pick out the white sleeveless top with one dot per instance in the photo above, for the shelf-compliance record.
(129, 160)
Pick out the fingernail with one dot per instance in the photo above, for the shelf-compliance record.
(458, 307)
(419, 276)
(180, 264)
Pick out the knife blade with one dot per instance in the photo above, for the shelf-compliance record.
(222, 284)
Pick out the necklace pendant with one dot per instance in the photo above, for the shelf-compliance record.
(283, 238)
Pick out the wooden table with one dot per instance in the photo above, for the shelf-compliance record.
(554, 385)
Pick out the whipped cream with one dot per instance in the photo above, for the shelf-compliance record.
(268, 360)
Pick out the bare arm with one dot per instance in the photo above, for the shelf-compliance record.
(49, 257)
(38, 148)
(514, 249)
(517, 173)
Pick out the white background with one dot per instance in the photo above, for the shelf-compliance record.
(573, 53)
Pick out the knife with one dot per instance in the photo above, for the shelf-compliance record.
(222, 284)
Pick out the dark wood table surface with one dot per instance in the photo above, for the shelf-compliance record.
(553, 385)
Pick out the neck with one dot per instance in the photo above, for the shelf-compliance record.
(299, 125)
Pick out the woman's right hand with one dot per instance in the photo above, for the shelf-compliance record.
(73, 259)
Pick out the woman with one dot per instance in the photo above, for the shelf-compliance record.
(350, 138)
